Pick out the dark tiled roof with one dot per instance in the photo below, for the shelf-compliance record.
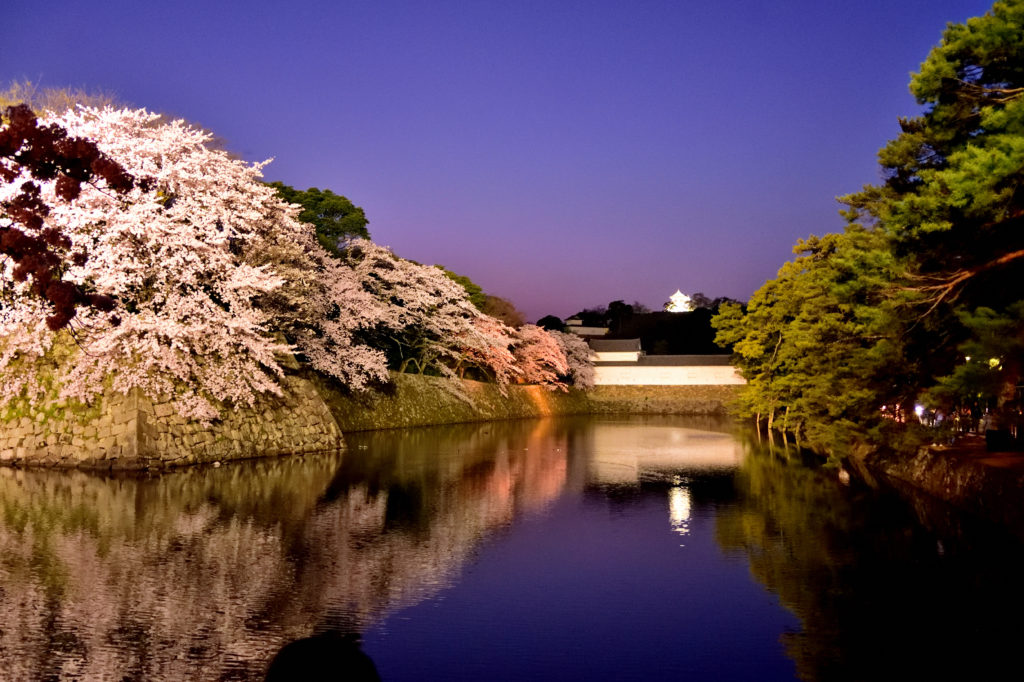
(614, 345)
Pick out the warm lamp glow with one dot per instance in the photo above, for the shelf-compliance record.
(679, 509)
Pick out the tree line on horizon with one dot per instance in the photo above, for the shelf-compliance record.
(660, 332)
(917, 304)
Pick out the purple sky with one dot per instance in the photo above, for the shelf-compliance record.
(560, 154)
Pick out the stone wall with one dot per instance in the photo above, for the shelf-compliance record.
(422, 401)
(133, 432)
(416, 400)
(989, 486)
(696, 399)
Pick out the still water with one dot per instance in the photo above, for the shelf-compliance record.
(590, 549)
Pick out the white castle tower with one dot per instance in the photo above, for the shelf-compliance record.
(679, 303)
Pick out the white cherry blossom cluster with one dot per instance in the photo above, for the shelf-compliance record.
(215, 281)
(427, 318)
(540, 358)
(185, 324)
(578, 357)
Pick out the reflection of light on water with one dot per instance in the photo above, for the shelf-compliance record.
(679, 508)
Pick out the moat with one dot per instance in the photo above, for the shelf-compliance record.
(576, 548)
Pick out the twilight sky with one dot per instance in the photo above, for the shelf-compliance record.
(561, 154)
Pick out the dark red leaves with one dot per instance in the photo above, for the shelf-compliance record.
(60, 319)
(101, 302)
(62, 294)
(40, 251)
(68, 188)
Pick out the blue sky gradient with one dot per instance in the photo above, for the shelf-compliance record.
(561, 154)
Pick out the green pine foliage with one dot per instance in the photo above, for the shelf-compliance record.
(337, 220)
(473, 290)
(862, 325)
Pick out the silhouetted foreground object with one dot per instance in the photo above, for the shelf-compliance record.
(328, 656)
(42, 252)
(551, 323)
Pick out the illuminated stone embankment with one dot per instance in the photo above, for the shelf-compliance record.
(134, 432)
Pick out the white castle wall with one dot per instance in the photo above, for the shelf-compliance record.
(668, 375)
(615, 356)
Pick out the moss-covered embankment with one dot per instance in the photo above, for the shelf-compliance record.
(415, 400)
(988, 485)
(134, 432)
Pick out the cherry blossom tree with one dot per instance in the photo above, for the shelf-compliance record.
(425, 319)
(488, 348)
(321, 308)
(210, 280)
(183, 322)
(35, 245)
(194, 262)
(540, 358)
(577, 355)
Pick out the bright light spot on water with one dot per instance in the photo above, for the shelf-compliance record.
(679, 509)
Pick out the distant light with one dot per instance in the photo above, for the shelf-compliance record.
(919, 410)
(993, 362)
(968, 358)
(679, 303)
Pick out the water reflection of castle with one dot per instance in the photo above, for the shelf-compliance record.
(622, 453)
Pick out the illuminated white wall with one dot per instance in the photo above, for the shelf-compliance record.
(620, 453)
(615, 356)
(671, 375)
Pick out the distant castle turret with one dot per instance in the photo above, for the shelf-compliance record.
(679, 303)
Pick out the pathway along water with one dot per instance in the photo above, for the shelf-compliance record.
(618, 549)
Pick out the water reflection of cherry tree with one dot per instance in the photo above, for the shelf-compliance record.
(207, 573)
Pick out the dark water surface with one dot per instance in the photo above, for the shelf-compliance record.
(590, 549)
